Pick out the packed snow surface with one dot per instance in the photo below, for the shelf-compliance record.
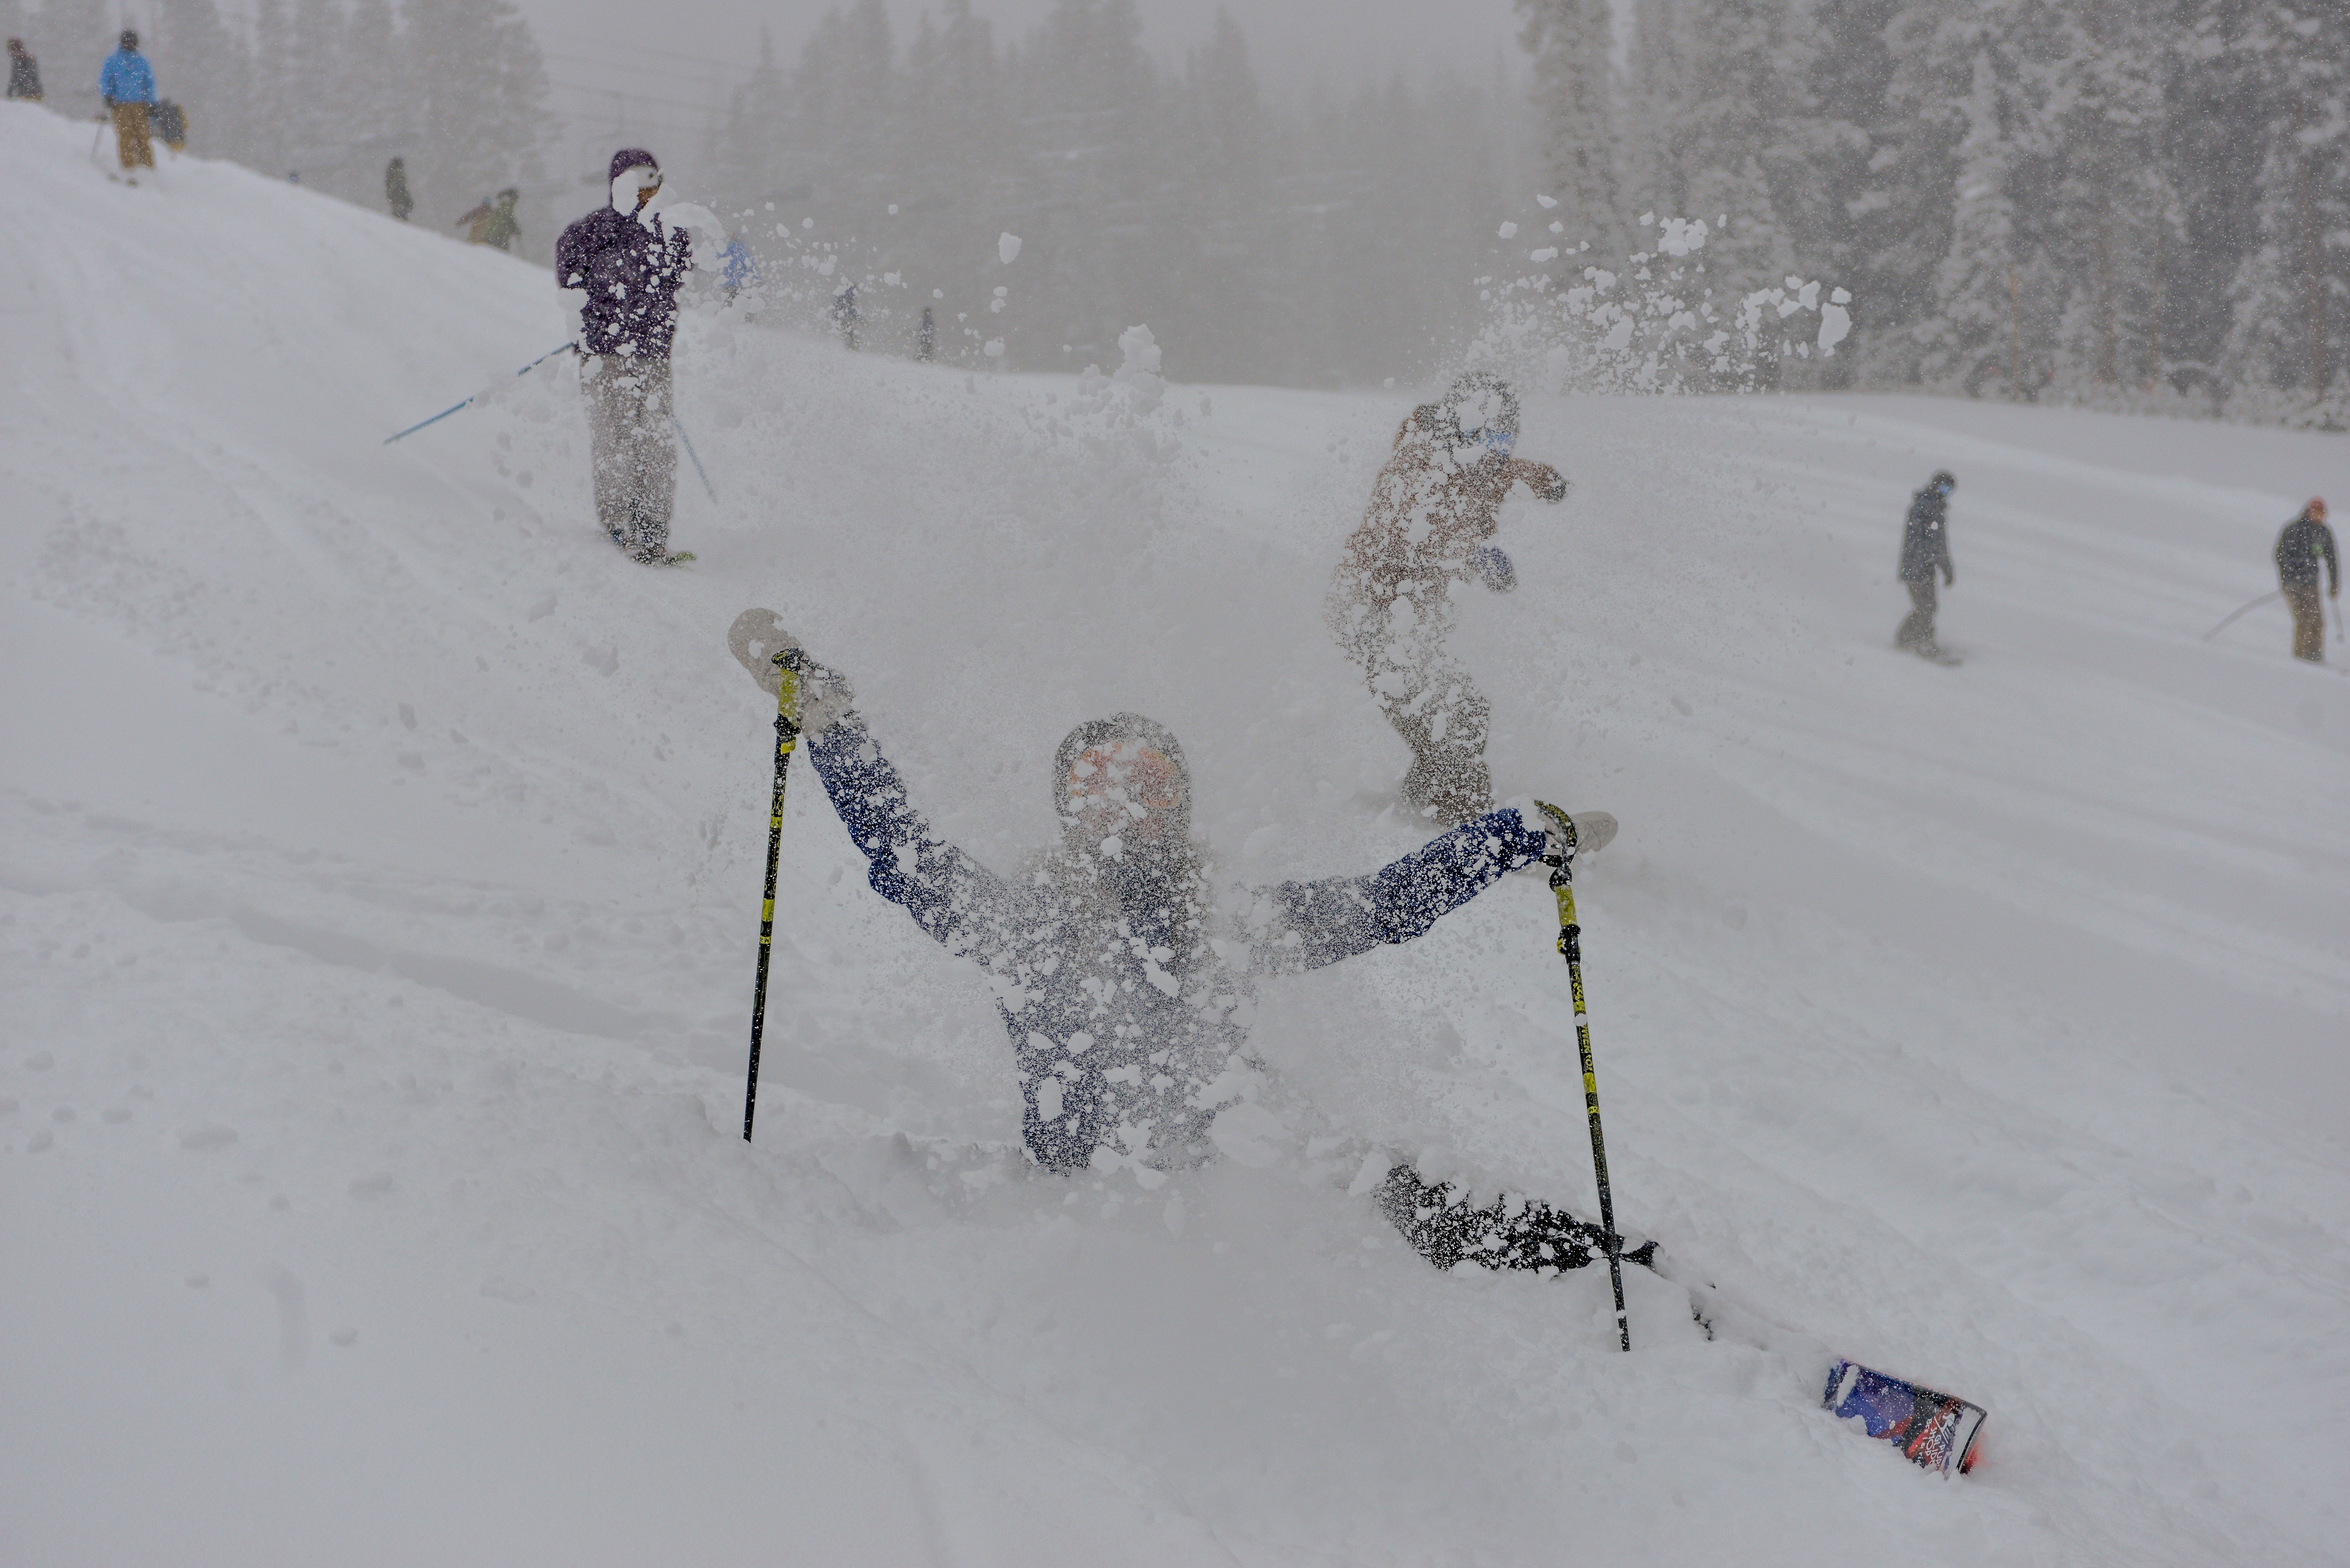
(380, 893)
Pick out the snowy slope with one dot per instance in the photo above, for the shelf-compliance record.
(379, 897)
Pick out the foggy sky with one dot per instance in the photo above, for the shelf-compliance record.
(619, 63)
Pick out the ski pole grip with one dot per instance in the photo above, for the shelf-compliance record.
(787, 695)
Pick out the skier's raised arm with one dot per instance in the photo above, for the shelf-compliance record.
(950, 895)
(1298, 926)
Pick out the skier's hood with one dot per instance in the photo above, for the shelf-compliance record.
(626, 159)
(1109, 732)
(1481, 402)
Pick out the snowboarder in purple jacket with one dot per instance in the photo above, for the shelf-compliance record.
(628, 264)
(1125, 978)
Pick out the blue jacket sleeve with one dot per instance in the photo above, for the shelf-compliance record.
(957, 900)
(1305, 925)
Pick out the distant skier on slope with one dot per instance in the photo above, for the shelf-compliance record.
(1390, 603)
(127, 83)
(1124, 979)
(627, 266)
(1926, 548)
(24, 72)
(395, 188)
(2307, 541)
(494, 222)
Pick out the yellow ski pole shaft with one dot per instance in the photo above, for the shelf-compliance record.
(787, 734)
(1570, 948)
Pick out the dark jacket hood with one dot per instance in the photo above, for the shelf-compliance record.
(628, 158)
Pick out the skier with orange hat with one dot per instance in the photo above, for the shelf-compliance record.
(2306, 540)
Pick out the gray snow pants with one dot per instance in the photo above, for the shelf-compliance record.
(1444, 718)
(1916, 630)
(634, 450)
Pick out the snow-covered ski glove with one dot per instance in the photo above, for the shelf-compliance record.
(1494, 568)
(1548, 482)
(1566, 835)
(757, 637)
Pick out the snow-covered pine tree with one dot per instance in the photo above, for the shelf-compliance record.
(1222, 192)
(208, 76)
(315, 127)
(1996, 289)
(751, 158)
(478, 90)
(1571, 43)
(2282, 358)
(2112, 205)
(71, 39)
(371, 91)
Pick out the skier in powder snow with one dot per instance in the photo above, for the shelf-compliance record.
(1926, 548)
(2306, 540)
(1124, 980)
(628, 264)
(395, 188)
(128, 85)
(24, 72)
(1391, 604)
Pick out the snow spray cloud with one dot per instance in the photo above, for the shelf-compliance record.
(1658, 322)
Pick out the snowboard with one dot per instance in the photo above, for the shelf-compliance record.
(1935, 653)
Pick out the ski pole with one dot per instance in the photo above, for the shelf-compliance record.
(2255, 603)
(444, 413)
(688, 440)
(787, 733)
(1570, 948)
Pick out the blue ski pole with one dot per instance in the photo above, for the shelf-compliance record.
(444, 413)
(679, 426)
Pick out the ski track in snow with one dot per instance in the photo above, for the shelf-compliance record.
(378, 902)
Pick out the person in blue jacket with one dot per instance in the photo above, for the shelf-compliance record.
(127, 83)
(1124, 982)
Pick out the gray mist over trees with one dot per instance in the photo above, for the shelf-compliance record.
(2129, 204)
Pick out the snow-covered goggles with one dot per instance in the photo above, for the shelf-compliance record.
(1125, 773)
(1495, 440)
(641, 177)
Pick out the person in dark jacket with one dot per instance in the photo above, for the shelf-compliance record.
(127, 83)
(24, 72)
(1125, 979)
(395, 188)
(2305, 541)
(1926, 549)
(627, 266)
(169, 123)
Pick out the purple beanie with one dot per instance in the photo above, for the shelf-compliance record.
(628, 158)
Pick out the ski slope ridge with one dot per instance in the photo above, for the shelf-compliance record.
(380, 891)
